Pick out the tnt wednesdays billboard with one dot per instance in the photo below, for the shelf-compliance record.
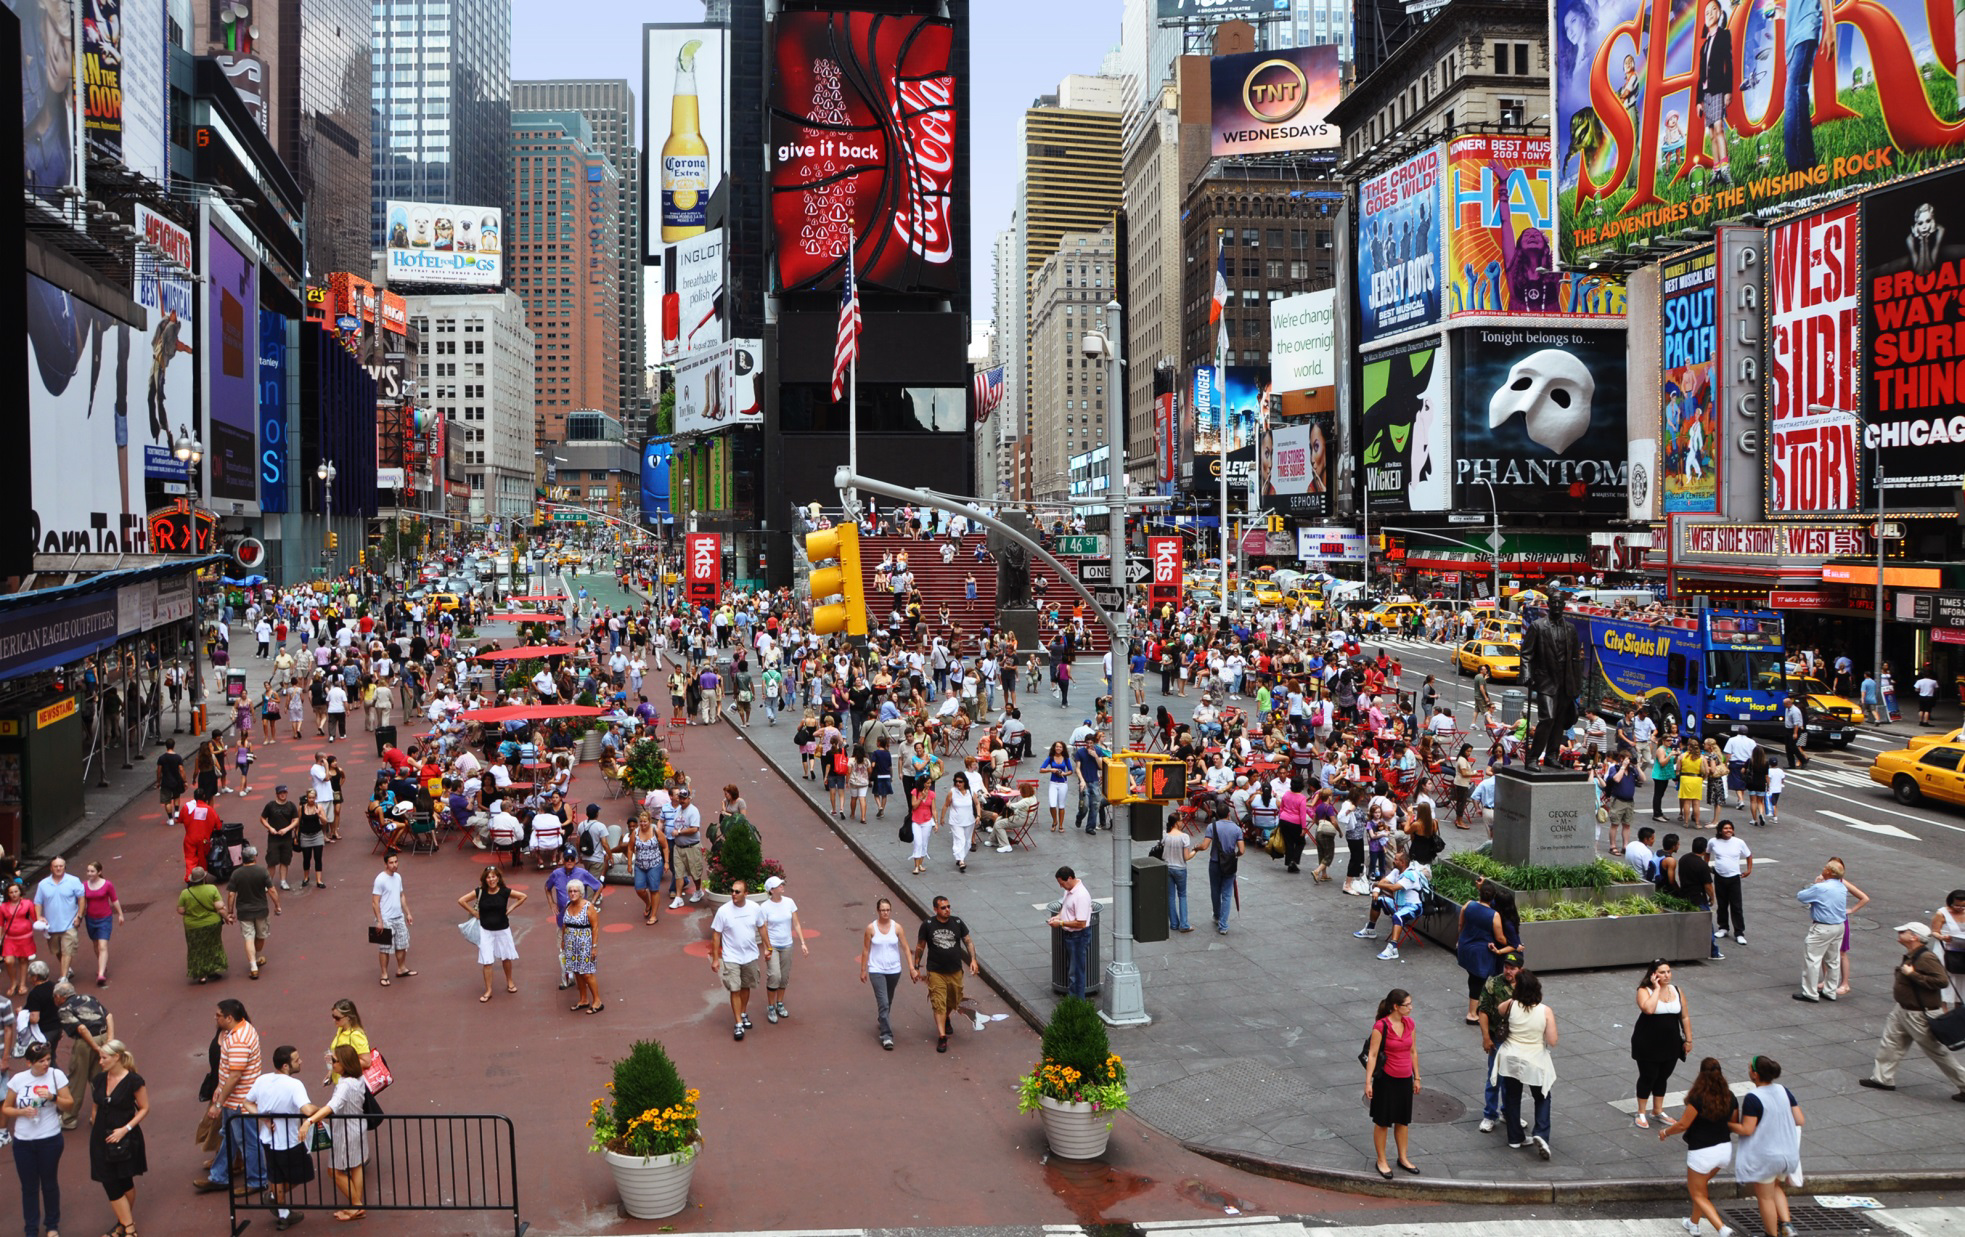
(1272, 102)
(1913, 311)
(1877, 94)
(863, 149)
(1399, 250)
(703, 567)
(1813, 316)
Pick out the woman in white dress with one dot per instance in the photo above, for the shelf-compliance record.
(1767, 1157)
(347, 1128)
(958, 816)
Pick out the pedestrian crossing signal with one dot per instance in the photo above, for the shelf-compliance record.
(1141, 777)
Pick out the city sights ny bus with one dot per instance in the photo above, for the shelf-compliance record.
(1717, 671)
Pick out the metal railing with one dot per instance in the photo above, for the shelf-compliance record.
(464, 1162)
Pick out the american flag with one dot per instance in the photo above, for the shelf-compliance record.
(846, 348)
(989, 392)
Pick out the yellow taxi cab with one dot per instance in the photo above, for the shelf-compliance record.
(1918, 742)
(1267, 594)
(1506, 628)
(1395, 613)
(1503, 661)
(1311, 599)
(1932, 771)
(443, 601)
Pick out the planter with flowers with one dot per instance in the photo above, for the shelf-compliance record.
(1077, 1083)
(736, 853)
(646, 1127)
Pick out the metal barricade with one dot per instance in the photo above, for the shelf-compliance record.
(464, 1162)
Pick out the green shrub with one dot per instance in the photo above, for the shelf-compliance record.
(739, 856)
(1596, 874)
(646, 1078)
(648, 1111)
(646, 766)
(1076, 1037)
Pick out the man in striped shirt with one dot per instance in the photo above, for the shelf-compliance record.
(238, 1069)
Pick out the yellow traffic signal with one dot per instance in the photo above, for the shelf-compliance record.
(361, 558)
(334, 540)
(849, 615)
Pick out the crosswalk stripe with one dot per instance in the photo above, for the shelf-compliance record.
(1671, 1099)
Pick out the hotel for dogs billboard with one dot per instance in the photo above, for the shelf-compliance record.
(1672, 115)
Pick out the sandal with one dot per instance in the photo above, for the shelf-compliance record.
(385, 983)
(511, 987)
(596, 1009)
(484, 998)
(577, 1008)
(404, 974)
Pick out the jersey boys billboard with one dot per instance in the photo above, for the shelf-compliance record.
(1399, 247)
(1913, 316)
(1672, 115)
(863, 149)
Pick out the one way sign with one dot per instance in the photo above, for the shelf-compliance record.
(1138, 571)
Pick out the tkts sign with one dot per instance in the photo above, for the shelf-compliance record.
(1163, 554)
(703, 567)
(863, 138)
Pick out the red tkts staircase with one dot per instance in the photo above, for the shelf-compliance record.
(938, 583)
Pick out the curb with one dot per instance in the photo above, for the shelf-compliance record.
(1023, 1009)
(1555, 1193)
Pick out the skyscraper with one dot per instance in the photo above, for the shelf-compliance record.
(441, 103)
(561, 259)
(609, 107)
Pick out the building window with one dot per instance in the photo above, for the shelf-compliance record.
(1514, 112)
(1521, 59)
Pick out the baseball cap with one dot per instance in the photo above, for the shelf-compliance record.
(1921, 931)
(280, 789)
(1511, 959)
(683, 791)
(569, 853)
(772, 882)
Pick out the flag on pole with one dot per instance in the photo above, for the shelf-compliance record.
(1216, 319)
(989, 392)
(846, 348)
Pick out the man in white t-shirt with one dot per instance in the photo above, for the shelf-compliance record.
(1732, 861)
(737, 937)
(782, 930)
(391, 907)
(1739, 750)
(323, 787)
(337, 710)
(1927, 695)
(280, 1099)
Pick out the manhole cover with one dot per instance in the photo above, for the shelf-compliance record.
(1863, 923)
(1435, 1108)
(1807, 1219)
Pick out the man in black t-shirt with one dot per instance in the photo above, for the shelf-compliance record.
(249, 896)
(281, 818)
(942, 948)
(170, 779)
(1695, 882)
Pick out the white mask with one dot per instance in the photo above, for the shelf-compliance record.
(1552, 389)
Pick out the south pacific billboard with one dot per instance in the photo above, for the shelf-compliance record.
(1688, 394)
(1501, 235)
(1672, 116)
(1399, 247)
(1913, 314)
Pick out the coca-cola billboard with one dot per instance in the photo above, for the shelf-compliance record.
(703, 567)
(863, 146)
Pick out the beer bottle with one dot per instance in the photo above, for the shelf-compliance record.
(685, 156)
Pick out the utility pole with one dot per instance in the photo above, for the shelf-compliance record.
(1882, 702)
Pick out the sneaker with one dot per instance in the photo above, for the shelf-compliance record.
(1003, 850)
(1739, 940)
(1718, 956)
(1487, 1125)
(737, 1032)
(1690, 1226)
(1388, 954)
(675, 903)
(286, 887)
(782, 1011)
(1541, 1146)
(770, 1014)
(1516, 1146)
(1366, 934)
(696, 897)
(1720, 935)
(747, 1022)
(886, 1041)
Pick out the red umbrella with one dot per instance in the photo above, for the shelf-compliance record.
(538, 599)
(525, 651)
(529, 712)
(543, 617)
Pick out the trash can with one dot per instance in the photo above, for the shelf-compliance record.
(235, 685)
(1061, 961)
(385, 738)
(1514, 703)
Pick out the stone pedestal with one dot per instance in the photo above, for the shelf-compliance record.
(1022, 625)
(1547, 818)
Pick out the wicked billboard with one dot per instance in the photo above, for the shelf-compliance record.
(1671, 115)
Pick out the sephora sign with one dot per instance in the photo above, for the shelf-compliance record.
(863, 151)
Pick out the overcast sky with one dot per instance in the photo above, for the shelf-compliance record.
(1019, 49)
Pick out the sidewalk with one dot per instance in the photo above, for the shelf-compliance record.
(1251, 1056)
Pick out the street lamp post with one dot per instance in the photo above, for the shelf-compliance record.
(1125, 998)
(326, 473)
(190, 452)
(1494, 541)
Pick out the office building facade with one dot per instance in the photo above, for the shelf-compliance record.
(475, 368)
(441, 91)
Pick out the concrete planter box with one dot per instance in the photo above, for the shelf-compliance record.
(1585, 944)
(1541, 898)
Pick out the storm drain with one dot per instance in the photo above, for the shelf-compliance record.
(1808, 1218)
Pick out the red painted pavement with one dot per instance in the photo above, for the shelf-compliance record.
(809, 1124)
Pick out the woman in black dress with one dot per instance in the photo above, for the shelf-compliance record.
(116, 1156)
(1660, 1038)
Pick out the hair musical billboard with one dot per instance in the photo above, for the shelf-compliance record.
(1501, 235)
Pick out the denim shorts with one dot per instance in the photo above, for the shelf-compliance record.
(649, 880)
(99, 928)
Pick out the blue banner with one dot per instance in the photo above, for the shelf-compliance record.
(272, 412)
(655, 459)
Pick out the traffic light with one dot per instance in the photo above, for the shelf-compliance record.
(1275, 523)
(1137, 777)
(334, 540)
(849, 615)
